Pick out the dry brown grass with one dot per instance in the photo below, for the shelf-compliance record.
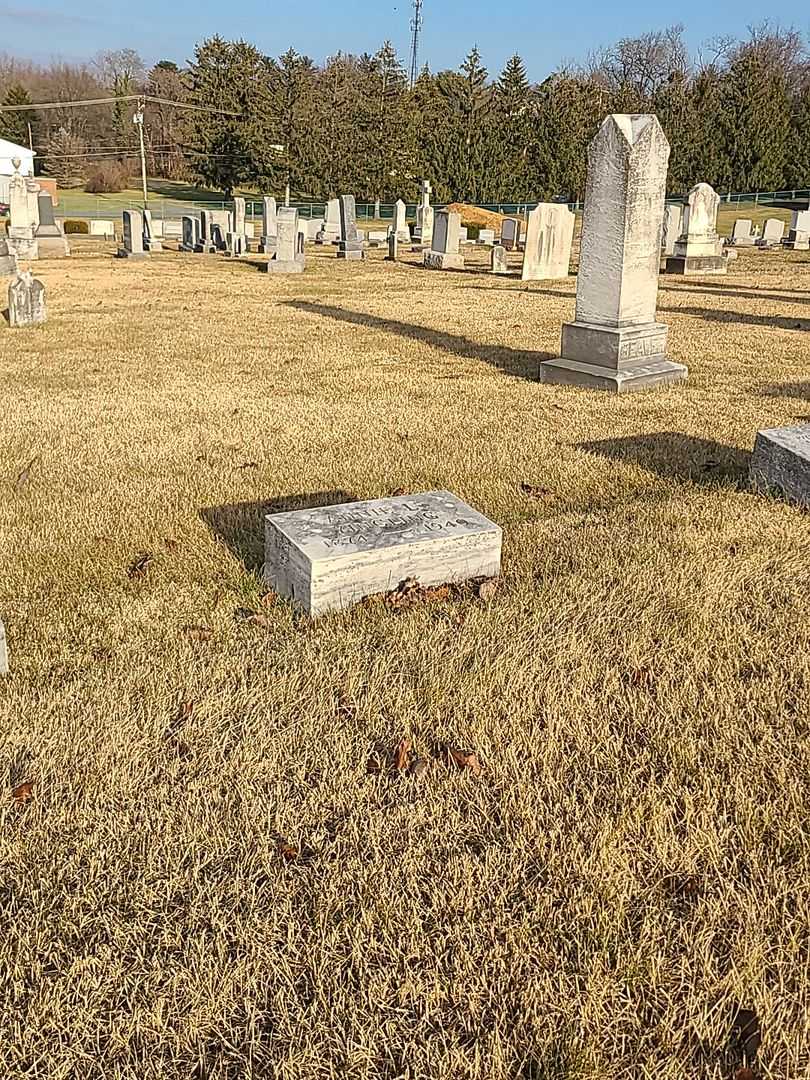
(243, 888)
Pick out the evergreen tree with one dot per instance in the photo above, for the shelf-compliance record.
(468, 98)
(755, 124)
(798, 172)
(514, 124)
(14, 125)
(333, 127)
(229, 150)
(383, 143)
(291, 93)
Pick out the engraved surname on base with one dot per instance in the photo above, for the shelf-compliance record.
(638, 348)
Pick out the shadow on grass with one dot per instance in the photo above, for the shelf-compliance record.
(736, 291)
(680, 457)
(782, 322)
(240, 526)
(180, 192)
(512, 361)
(799, 390)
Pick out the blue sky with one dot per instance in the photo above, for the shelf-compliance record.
(544, 34)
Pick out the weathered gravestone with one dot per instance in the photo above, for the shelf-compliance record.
(510, 233)
(393, 246)
(23, 215)
(102, 227)
(772, 234)
(26, 301)
(615, 342)
(191, 233)
(151, 240)
(423, 232)
(236, 245)
(401, 222)
(269, 237)
(328, 558)
(781, 462)
(549, 235)
(486, 236)
(798, 237)
(238, 229)
(288, 259)
(330, 233)
(699, 250)
(350, 245)
(51, 240)
(673, 218)
(133, 236)
(8, 260)
(3, 650)
(498, 263)
(314, 227)
(444, 249)
(741, 234)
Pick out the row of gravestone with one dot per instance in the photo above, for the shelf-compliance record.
(33, 230)
(689, 240)
(283, 237)
(328, 558)
(773, 233)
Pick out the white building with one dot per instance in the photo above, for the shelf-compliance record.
(8, 152)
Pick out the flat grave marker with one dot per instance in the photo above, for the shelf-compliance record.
(781, 461)
(329, 558)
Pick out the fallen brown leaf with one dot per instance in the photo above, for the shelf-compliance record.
(405, 594)
(138, 568)
(253, 618)
(403, 754)
(249, 465)
(268, 598)
(23, 792)
(25, 475)
(397, 491)
(488, 588)
(535, 492)
(198, 633)
(464, 760)
(286, 851)
(171, 544)
(744, 1074)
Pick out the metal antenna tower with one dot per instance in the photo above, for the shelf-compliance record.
(416, 28)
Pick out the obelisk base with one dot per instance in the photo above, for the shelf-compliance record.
(617, 359)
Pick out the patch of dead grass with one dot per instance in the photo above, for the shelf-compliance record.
(206, 878)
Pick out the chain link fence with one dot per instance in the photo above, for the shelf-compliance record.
(73, 205)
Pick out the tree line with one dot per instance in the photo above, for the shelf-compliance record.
(737, 116)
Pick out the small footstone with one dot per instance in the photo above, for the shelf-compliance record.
(781, 462)
(498, 262)
(329, 558)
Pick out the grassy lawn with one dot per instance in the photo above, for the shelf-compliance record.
(175, 197)
(217, 874)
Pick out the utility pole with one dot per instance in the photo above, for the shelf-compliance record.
(137, 120)
(416, 29)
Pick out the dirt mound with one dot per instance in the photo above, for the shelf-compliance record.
(474, 215)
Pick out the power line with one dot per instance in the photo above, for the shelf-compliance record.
(113, 100)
